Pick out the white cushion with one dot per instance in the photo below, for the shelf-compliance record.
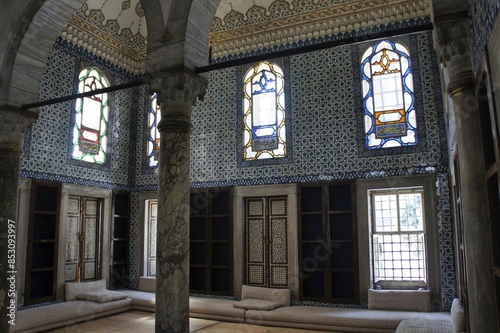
(424, 326)
(256, 304)
(457, 316)
(102, 296)
(147, 284)
(71, 289)
(406, 300)
(277, 295)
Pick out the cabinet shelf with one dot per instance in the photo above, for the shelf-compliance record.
(120, 235)
(41, 272)
(328, 220)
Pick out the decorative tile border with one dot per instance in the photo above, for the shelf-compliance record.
(73, 180)
(39, 305)
(445, 236)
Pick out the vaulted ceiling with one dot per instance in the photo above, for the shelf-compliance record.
(117, 31)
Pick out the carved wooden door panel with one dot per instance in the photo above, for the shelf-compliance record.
(266, 241)
(82, 238)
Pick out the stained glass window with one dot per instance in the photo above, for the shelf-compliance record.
(389, 114)
(154, 135)
(91, 118)
(264, 133)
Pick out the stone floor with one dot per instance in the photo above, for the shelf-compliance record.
(144, 322)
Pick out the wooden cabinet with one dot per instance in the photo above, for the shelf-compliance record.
(211, 241)
(328, 242)
(120, 231)
(43, 233)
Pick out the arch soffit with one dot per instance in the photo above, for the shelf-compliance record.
(183, 41)
(179, 36)
(31, 56)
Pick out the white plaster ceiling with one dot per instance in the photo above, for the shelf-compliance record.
(128, 14)
(241, 6)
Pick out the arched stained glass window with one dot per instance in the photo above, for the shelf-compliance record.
(154, 135)
(388, 100)
(264, 133)
(91, 118)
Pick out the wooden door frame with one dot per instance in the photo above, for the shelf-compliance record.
(240, 192)
(91, 192)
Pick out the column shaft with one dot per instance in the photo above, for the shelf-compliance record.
(480, 282)
(454, 45)
(12, 129)
(177, 92)
(172, 282)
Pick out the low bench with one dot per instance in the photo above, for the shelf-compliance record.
(386, 310)
(338, 319)
(455, 325)
(144, 299)
(261, 306)
(391, 311)
(83, 301)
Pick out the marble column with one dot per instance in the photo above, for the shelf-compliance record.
(177, 92)
(453, 44)
(13, 125)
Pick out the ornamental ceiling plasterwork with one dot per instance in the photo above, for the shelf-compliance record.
(113, 29)
(242, 26)
(116, 29)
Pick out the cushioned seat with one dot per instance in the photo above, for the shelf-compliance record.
(74, 309)
(424, 326)
(340, 319)
(215, 309)
(66, 313)
(141, 300)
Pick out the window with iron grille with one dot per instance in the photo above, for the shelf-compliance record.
(398, 235)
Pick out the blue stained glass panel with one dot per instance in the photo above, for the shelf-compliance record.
(91, 118)
(388, 99)
(264, 112)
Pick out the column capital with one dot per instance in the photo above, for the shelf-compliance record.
(453, 44)
(178, 85)
(13, 125)
(452, 40)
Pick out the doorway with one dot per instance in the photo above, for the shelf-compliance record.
(83, 244)
(266, 241)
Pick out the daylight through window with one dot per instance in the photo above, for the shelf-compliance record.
(399, 251)
(91, 118)
(264, 112)
(388, 99)
(154, 117)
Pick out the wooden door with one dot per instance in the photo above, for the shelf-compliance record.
(266, 227)
(83, 239)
